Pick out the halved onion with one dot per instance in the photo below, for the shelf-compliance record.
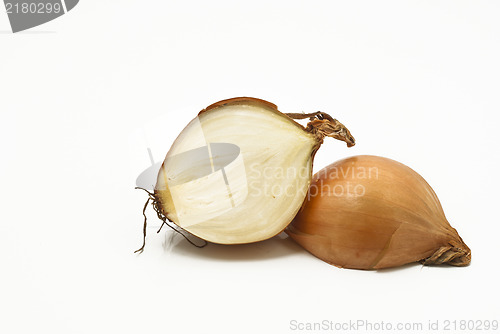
(239, 172)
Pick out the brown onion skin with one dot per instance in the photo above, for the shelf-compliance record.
(385, 217)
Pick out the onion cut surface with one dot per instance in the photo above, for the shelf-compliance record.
(239, 172)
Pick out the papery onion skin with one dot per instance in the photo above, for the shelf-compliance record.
(369, 212)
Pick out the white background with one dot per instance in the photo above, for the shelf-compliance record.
(83, 96)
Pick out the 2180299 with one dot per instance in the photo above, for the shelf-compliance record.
(470, 325)
(32, 8)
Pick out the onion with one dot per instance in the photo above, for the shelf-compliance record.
(368, 212)
(239, 172)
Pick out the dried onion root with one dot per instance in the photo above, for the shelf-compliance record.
(239, 172)
(368, 212)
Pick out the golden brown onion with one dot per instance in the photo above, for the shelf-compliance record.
(369, 212)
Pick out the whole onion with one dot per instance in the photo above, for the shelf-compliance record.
(369, 212)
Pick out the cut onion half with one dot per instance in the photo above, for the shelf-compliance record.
(239, 172)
